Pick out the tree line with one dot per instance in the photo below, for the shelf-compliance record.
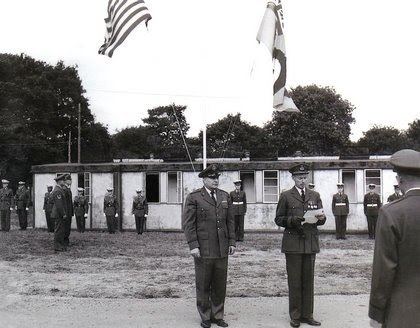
(39, 108)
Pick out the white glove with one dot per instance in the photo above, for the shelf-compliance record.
(116, 215)
(195, 253)
(85, 215)
(27, 208)
(104, 214)
(12, 208)
(145, 215)
(44, 210)
(15, 208)
(375, 324)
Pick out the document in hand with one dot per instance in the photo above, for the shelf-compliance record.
(311, 215)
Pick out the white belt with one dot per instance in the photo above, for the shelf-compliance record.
(340, 204)
(237, 203)
(372, 205)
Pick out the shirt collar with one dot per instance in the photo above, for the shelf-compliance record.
(209, 191)
(300, 190)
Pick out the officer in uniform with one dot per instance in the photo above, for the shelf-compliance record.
(59, 213)
(395, 291)
(140, 211)
(22, 205)
(111, 210)
(48, 205)
(81, 208)
(372, 204)
(396, 195)
(238, 198)
(6, 200)
(209, 228)
(340, 209)
(311, 186)
(69, 207)
(300, 244)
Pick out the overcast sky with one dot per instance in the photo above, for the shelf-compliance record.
(200, 53)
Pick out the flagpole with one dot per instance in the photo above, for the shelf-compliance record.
(204, 140)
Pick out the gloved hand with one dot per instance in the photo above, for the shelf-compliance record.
(27, 208)
(145, 215)
(116, 215)
(85, 215)
(296, 222)
(195, 253)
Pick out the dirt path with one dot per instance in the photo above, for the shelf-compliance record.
(33, 312)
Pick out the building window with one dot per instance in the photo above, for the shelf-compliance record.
(83, 181)
(152, 187)
(373, 176)
(348, 177)
(175, 187)
(248, 185)
(271, 186)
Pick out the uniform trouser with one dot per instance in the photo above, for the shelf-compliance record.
(371, 220)
(239, 227)
(50, 221)
(23, 218)
(80, 222)
(340, 226)
(210, 286)
(300, 278)
(59, 232)
(67, 227)
(110, 222)
(5, 220)
(140, 224)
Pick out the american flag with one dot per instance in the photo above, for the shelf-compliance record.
(271, 35)
(123, 17)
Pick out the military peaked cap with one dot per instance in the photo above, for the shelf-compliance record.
(60, 177)
(109, 189)
(340, 184)
(139, 190)
(301, 168)
(4, 181)
(211, 171)
(21, 183)
(67, 177)
(80, 189)
(237, 182)
(372, 185)
(406, 160)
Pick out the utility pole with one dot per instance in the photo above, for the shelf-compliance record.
(69, 148)
(79, 131)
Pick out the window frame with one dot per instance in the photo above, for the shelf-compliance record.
(365, 184)
(355, 184)
(159, 186)
(255, 185)
(179, 187)
(277, 187)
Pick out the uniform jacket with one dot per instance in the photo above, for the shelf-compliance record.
(337, 204)
(140, 206)
(59, 208)
(69, 202)
(393, 197)
(81, 205)
(22, 198)
(372, 204)
(209, 226)
(238, 197)
(48, 202)
(110, 205)
(395, 292)
(6, 198)
(291, 205)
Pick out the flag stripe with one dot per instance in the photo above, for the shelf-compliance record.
(114, 22)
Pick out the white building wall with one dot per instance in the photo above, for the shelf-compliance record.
(100, 182)
(130, 181)
(41, 181)
(389, 179)
(326, 184)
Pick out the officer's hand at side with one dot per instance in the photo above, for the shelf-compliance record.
(232, 250)
(375, 324)
(85, 215)
(145, 215)
(296, 221)
(195, 253)
(11, 208)
(116, 215)
(27, 208)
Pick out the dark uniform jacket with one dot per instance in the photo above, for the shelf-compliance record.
(6, 198)
(395, 292)
(209, 226)
(48, 202)
(59, 208)
(69, 202)
(291, 205)
(81, 205)
(22, 198)
(110, 205)
(238, 202)
(140, 206)
(372, 204)
(393, 197)
(340, 204)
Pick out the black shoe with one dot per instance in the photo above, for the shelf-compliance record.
(220, 323)
(311, 322)
(294, 323)
(205, 324)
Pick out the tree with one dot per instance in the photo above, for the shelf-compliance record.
(321, 128)
(38, 109)
(384, 140)
(413, 134)
(133, 142)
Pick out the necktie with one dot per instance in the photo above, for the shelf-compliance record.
(212, 196)
(303, 195)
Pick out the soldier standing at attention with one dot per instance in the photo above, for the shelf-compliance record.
(140, 211)
(395, 292)
(6, 199)
(300, 244)
(69, 208)
(81, 208)
(372, 204)
(22, 204)
(396, 195)
(59, 213)
(48, 205)
(340, 209)
(111, 210)
(209, 228)
(238, 198)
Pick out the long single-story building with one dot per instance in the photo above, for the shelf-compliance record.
(167, 184)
